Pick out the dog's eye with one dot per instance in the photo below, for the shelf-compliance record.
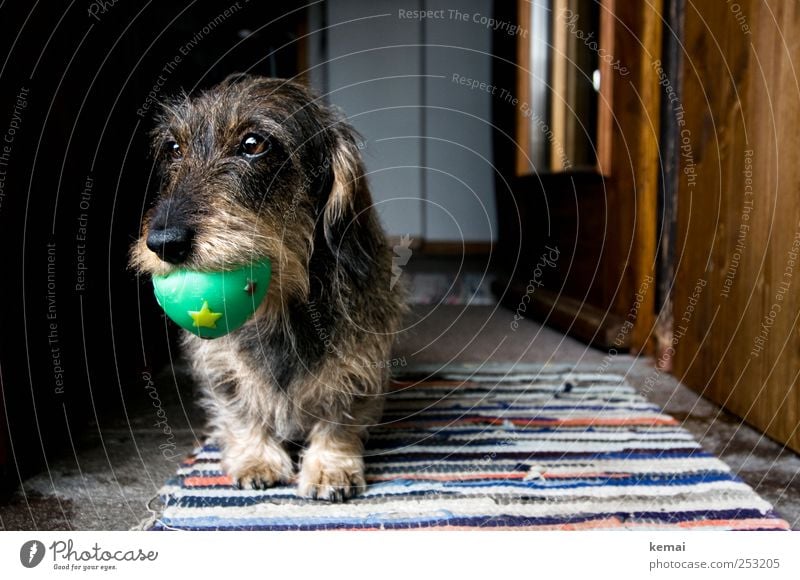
(173, 150)
(253, 145)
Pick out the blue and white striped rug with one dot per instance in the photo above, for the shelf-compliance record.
(535, 451)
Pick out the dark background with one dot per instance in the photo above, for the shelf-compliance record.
(85, 78)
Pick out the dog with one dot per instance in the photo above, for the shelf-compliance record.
(259, 167)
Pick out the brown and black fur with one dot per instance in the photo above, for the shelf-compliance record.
(309, 367)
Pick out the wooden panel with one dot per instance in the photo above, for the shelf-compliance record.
(560, 115)
(631, 189)
(739, 213)
(605, 111)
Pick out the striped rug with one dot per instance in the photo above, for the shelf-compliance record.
(541, 451)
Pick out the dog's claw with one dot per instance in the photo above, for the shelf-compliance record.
(261, 472)
(330, 485)
(257, 481)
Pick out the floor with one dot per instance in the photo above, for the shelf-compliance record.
(118, 467)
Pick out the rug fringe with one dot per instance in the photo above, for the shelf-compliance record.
(155, 515)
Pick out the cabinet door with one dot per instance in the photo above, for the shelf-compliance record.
(374, 63)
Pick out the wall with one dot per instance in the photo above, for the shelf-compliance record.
(428, 144)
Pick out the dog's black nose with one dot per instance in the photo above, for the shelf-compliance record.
(171, 244)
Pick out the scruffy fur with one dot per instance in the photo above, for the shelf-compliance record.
(310, 366)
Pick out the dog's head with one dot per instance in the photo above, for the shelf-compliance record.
(252, 168)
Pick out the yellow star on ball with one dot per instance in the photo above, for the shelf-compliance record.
(205, 317)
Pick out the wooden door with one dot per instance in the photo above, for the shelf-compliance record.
(737, 287)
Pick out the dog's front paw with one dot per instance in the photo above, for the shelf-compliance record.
(272, 467)
(331, 478)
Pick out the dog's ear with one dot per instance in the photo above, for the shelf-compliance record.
(349, 195)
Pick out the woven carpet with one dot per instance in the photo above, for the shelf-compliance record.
(542, 451)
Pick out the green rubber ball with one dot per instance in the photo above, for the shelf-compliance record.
(213, 304)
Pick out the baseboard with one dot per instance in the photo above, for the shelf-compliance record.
(579, 320)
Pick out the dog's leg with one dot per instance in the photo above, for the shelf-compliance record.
(237, 415)
(332, 465)
(253, 458)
